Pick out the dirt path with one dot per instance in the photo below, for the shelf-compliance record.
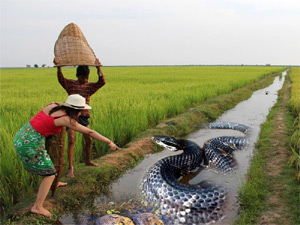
(276, 204)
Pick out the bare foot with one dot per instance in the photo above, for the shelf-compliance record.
(70, 173)
(90, 163)
(41, 211)
(61, 184)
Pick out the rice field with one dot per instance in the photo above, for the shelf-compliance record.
(133, 99)
(294, 105)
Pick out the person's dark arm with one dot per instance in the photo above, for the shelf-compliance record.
(101, 79)
(61, 78)
(63, 81)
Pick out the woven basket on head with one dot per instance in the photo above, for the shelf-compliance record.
(72, 49)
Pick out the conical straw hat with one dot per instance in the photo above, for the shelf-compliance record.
(72, 49)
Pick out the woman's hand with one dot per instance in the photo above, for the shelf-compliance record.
(113, 146)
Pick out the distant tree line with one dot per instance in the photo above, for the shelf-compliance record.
(35, 65)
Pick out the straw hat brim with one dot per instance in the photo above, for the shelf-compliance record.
(74, 106)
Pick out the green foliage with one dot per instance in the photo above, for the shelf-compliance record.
(133, 100)
(112, 211)
(255, 190)
(292, 193)
(294, 102)
(295, 161)
(253, 193)
(294, 105)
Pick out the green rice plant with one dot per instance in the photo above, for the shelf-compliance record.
(133, 100)
(294, 105)
(295, 160)
(294, 102)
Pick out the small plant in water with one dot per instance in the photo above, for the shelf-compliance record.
(112, 211)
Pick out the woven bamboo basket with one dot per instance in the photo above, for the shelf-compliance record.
(72, 48)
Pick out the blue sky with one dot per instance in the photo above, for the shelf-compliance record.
(156, 32)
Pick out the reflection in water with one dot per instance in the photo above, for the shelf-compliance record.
(251, 112)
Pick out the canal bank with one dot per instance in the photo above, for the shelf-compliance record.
(271, 193)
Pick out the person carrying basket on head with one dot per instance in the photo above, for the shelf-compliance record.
(86, 89)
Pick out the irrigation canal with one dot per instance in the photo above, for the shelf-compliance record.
(251, 112)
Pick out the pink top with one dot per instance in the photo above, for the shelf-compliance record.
(44, 124)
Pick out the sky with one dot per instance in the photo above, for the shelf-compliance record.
(155, 32)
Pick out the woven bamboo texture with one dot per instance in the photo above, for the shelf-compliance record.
(72, 48)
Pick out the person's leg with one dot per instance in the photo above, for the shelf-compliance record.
(71, 143)
(41, 196)
(88, 150)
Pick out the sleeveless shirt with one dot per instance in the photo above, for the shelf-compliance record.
(44, 124)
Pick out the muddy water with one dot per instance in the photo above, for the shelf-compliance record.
(251, 112)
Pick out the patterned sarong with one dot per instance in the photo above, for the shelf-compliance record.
(30, 146)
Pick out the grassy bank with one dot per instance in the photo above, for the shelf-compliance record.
(271, 192)
(93, 180)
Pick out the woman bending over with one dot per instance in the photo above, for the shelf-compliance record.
(30, 140)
